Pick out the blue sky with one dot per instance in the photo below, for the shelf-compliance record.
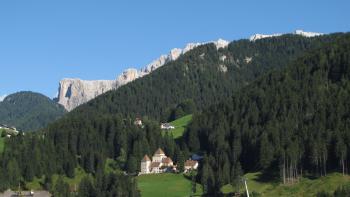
(44, 41)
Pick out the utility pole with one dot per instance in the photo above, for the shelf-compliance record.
(246, 186)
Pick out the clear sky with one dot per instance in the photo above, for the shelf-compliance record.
(44, 41)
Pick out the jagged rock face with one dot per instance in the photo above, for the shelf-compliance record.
(127, 76)
(74, 92)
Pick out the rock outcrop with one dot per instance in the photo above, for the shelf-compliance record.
(74, 92)
(297, 32)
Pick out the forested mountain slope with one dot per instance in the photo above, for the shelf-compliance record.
(28, 111)
(287, 123)
(103, 128)
(204, 75)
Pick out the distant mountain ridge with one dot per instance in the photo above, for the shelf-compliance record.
(29, 111)
(296, 32)
(203, 75)
(74, 92)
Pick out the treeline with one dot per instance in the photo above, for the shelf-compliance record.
(103, 185)
(288, 123)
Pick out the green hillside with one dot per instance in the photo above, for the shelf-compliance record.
(204, 75)
(170, 185)
(290, 120)
(305, 187)
(28, 111)
(287, 123)
(180, 126)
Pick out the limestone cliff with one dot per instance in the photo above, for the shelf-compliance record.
(74, 92)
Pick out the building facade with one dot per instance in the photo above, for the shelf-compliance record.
(160, 163)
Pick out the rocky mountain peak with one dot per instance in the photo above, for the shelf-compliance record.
(74, 92)
(296, 32)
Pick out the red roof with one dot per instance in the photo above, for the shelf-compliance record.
(190, 163)
(159, 152)
(167, 160)
(145, 158)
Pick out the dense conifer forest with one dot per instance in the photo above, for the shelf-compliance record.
(286, 122)
(29, 111)
(204, 75)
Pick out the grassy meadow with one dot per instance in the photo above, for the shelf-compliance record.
(167, 184)
(180, 125)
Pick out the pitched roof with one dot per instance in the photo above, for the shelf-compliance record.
(155, 164)
(145, 158)
(167, 160)
(159, 152)
(190, 163)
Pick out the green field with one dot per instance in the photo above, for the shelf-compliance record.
(167, 184)
(305, 187)
(180, 125)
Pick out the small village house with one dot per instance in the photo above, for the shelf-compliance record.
(190, 165)
(138, 122)
(160, 163)
(166, 126)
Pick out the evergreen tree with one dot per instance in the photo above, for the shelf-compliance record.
(86, 188)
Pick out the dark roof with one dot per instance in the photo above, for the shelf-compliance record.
(196, 157)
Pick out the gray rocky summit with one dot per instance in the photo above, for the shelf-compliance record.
(74, 92)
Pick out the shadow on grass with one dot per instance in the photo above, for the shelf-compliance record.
(311, 176)
(268, 176)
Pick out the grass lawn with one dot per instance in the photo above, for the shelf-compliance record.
(180, 125)
(167, 184)
(2, 144)
(305, 187)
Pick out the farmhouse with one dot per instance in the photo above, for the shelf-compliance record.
(138, 122)
(8, 131)
(166, 126)
(190, 165)
(160, 163)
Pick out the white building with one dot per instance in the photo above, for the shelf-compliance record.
(190, 165)
(138, 122)
(160, 163)
(145, 165)
(166, 126)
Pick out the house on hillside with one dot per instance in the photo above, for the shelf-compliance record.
(166, 126)
(138, 122)
(190, 165)
(160, 163)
